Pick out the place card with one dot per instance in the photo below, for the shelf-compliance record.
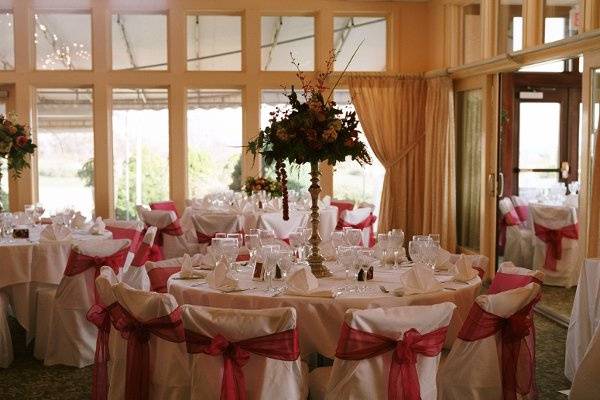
(21, 233)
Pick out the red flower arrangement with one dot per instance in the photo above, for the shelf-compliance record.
(15, 144)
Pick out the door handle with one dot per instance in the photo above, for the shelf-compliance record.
(501, 181)
(491, 184)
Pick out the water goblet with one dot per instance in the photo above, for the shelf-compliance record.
(353, 236)
(252, 243)
(296, 241)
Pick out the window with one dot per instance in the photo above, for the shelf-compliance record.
(349, 32)
(468, 163)
(551, 66)
(140, 148)
(562, 19)
(65, 152)
(510, 26)
(352, 181)
(471, 33)
(7, 44)
(214, 135)
(298, 176)
(139, 41)
(281, 36)
(63, 41)
(214, 42)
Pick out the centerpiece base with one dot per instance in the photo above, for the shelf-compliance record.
(317, 268)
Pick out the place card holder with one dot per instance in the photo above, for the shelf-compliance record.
(259, 272)
(278, 274)
(21, 233)
(361, 275)
(370, 273)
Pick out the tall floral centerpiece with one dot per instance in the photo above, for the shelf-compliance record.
(15, 146)
(311, 129)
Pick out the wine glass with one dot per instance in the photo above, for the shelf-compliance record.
(382, 246)
(346, 254)
(266, 236)
(429, 250)
(221, 235)
(285, 262)
(270, 256)
(435, 237)
(353, 236)
(229, 249)
(296, 241)
(414, 250)
(252, 243)
(237, 236)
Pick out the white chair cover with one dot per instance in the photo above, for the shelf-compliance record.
(131, 230)
(522, 208)
(6, 348)
(518, 247)
(136, 275)
(368, 378)
(567, 268)
(169, 362)
(274, 221)
(173, 245)
(508, 267)
(585, 383)
(69, 338)
(357, 216)
(214, 222)
(473, 369)
(585, 316)
(478, 261)
(265, 378)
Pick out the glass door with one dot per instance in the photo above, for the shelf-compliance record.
(3, 170)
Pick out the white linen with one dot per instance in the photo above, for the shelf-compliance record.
(78, 221)
(169, 362)
(442, 259)
(585, 316)
(585, 383)
(508, 267)
(274, 221)
(302, 282)
(265, 378)
(98, 227)
(221, 279)
(187, 270)
(464, 271)
(54, 233)
(322, 316)
(6, 347)
(368, 378)
(418, 279)
(173, 246)
(473, 370)
(567, 268)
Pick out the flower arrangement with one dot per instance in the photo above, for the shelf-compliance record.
(311, 130)
(15, 144)
(259, 184)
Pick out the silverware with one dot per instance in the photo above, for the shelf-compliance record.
(383, 289)
(449, 288)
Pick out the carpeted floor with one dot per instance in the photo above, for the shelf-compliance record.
(558, 299)
(28, 379)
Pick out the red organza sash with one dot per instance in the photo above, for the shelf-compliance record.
(160, 276)
(101, 317)
(503, 282)
(167, 205)
(203, 238)
(126, 233)
(511, 218)
(522, 212)
(173, 229)
(279, 346)
(518, 350)
(480, 272)
(366, 223)
(553, 239)
(141, 255)
(137, 333)
(403, 379)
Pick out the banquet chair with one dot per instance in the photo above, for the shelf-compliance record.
(343, 205)
(361, 218)
(376, 342)
(63, 334)
(556, 238)
(159, 272)
(585, 383)
(131, 230)
(482, 364)
(169, 235)
(522, 210)
(135, 274)
(166, 205)
(207, 225)
(6, 348)
(151, 324)
(509, 277)
(515, 237)
(261, 346)
(479, 262)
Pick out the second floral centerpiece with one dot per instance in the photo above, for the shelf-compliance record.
(310, 129)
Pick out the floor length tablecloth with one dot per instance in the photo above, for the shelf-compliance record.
(320, 319)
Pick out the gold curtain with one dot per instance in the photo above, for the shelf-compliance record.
(593, 245)
(393, 113)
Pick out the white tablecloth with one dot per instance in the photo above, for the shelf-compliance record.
(585, 316)
(272, 220)
(320, 319)
(27, 264)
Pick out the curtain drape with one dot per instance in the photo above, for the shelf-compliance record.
(409, 125)
(593, 245)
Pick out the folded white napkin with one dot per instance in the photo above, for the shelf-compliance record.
(98, 227)
(209, 259)
(442, 259)
(187, 268)
(327, 251)
(273, 205)
(464, 270)
(220, 278)
(419, 279)
(53, 233)
(302, 282)
(78, 221)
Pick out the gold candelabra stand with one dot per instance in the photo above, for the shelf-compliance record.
(315, 259)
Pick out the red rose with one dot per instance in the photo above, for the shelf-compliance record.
(22, 141)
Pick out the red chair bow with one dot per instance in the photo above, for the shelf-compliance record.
(204, 238)
(522, 212)
(518, 350)
(173, 229)
(101, 317)
(141, 255)
(503, 281)
(160, 276)
(167, 205)
(137, 333)
(509, 219)
(366, 223)
(553, 239)
(126, 233)
(403, 378)
(279, 346)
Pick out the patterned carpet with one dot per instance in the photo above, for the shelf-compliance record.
(27, 378)
(558, 299)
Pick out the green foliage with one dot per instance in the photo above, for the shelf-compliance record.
(15, 144)
(86, 173)
(236, 176)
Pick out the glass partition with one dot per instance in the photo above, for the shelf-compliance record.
(562, 19)
(63, 41)
(214, 42)
(281, 36)
(510, 26)
(349, 32)
(139, 41)
(7, 44)
(472, 32)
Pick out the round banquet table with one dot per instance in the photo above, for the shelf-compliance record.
(320, 318)
(30, 263)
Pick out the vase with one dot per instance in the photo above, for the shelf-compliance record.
(315, 259)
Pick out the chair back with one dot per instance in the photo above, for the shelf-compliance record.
(343, 205)
(131, 230)
(521, 208)
(368, 378)
(167, 205)
(360, 218)
(159, 272)
(474, 368)
(207, 224)
(509, 214)
(509, 277)
(169, 237)
(273, 357)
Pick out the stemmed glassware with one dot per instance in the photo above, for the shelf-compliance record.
(6, 226)
(296, 241)
(414, 250)
(230, 249)
(270, 256)
(353, 236)
(253, 244)
(306, 234)
(346, 255)
(337, 241)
